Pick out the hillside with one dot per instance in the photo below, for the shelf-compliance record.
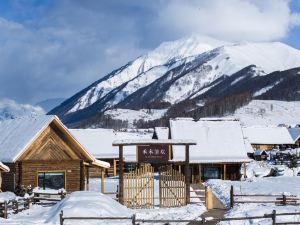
(188, 77)
(269, 112)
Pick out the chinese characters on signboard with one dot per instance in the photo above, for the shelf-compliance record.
(153, 153)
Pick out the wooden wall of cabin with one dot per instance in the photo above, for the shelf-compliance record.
(27, 172)
(8, 178)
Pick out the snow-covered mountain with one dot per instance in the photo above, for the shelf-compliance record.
(10, 109)
(184, 70)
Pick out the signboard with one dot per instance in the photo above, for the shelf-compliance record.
(153, 153)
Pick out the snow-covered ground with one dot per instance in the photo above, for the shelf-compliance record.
(94, 204)
(269, 112)
(134, 115)
(267, 185)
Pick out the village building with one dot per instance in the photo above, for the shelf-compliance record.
(99, 143)
(268, 138)
(3, 168)
(220, 151)
(41, 152)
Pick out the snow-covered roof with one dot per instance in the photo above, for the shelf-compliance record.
(268, 135)
(99, 142)
(17, 134)
(162, 132)
(4, 167)
(258, 152)
(295, 133)
(217, 140)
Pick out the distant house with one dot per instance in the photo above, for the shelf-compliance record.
(260, 155)
(99, 143)
(220, 151)
(268, 138)
(3, 168)
(41, 152)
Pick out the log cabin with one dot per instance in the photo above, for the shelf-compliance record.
(99, 143)
(3, 168)
(220, 151)
(271, 137)
(41, 152)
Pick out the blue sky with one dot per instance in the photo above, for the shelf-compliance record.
(54, 48)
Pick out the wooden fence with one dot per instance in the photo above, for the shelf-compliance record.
(16, 206)
(171, 188)
(267, 198)
(273, 218)
(139, 187)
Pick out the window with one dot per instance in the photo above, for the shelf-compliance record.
(51, 180)
(211, 173)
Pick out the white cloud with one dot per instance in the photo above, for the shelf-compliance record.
(231, 19)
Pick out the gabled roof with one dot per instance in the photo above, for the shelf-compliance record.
(218, 140)
(16, 135)
(268, 135)
(295, 133)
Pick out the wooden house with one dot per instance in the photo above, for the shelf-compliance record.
(220, 151)
(3, 168)
(260, 155)
(268, 138)
(99, 143)
(41, 152)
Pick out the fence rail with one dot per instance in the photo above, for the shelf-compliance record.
(272, 216)
(274, 198)
(16, 206)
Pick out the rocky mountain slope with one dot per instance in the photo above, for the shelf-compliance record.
(189, 77)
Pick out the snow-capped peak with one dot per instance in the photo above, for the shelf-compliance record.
(9, 109)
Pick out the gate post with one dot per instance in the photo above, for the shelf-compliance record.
(187, 174)
(121, 175)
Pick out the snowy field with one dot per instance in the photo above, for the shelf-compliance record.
(94, 204)
(267, 185)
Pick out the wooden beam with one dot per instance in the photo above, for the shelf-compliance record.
(102, 180)
(224, 172)
(200, 172)
(121, 175)
(87, 178)
(115, 167)
(245, 173)
(187, 173)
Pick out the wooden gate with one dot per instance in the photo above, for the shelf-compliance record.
(171, 187)
(139, 187)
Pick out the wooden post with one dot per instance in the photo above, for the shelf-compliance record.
(273, 216)
(224, 171)
(283, 199)
(200, 173)
(87, 178)
(133, 219)
(115, 167)
(245, 171)
(61, 220)
(209, 199)
(231, 197)
(121, 175)
(5, 209)
(102, 181)
(187, 173)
